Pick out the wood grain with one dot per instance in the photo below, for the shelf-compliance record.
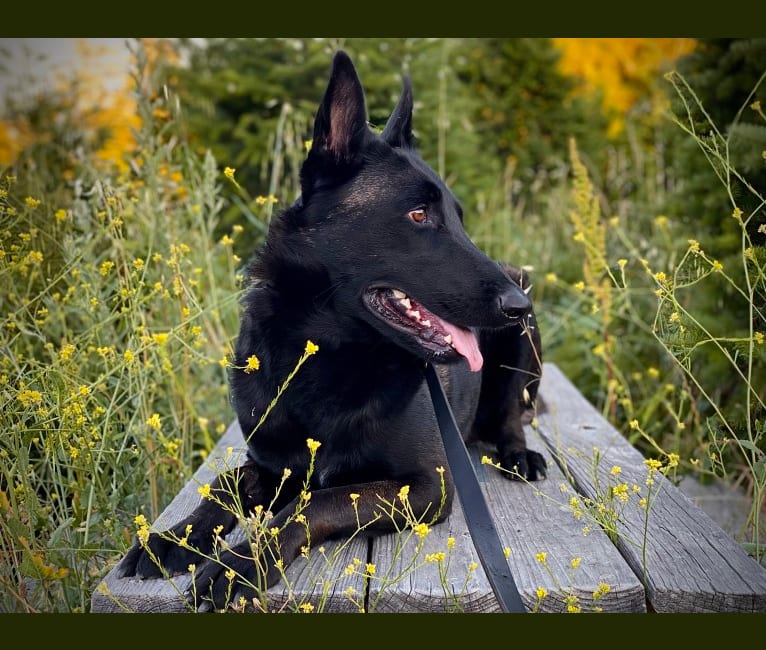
(688, 562)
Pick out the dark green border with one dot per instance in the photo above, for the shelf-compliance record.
(348, 631)
(392, 18)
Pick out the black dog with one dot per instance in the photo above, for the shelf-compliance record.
(372, 264)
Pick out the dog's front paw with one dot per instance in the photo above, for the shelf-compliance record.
(525, 465)
(162, 553)
(235, 574)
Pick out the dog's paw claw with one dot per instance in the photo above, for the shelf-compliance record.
(161, 555)
(526, 465)
(229, 581)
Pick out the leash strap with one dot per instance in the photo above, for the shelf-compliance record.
(480, 523)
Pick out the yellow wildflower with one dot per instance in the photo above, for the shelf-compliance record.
(421, 530)
(204, 491)
(253, 363)
(311, 348)
(154, 422)
(694, 245)
(66, 352)
(653, 464)
(403, 492)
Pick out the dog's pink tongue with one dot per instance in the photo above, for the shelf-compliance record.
(466, 344)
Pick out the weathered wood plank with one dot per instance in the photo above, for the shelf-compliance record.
(432, 586)
(530, 519)
(318, 580)
(690, 564)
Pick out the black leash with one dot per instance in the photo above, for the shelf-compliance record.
(480, 523)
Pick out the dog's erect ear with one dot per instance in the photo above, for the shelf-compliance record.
(398, 131)
(341, 121)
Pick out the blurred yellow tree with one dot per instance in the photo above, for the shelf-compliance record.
(623, 70)
(97, 98)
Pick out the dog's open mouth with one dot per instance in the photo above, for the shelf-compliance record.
(436, 335)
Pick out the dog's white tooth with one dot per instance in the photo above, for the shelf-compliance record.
(525, 394)
(528, 289)
(414, 314)
(405, 302)
(399, 294)
(448, 339)
(425, 323)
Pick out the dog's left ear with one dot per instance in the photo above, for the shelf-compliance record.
(340, 126)
(398, 130)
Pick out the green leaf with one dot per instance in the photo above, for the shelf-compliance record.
(750, 447)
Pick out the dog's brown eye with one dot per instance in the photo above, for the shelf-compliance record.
(418, 216)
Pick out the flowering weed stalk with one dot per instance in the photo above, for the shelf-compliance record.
(115, 308)
(690, 412)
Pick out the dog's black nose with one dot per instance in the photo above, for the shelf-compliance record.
(514, 303)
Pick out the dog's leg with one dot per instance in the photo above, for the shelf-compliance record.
(510, 379)
(329, 513)
(244, 484)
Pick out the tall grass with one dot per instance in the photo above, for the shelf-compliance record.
(619, 288)
(118, 306)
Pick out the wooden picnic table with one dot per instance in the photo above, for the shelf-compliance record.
(675, 559)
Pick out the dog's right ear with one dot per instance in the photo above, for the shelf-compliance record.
(398, 130)
(340, 126)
